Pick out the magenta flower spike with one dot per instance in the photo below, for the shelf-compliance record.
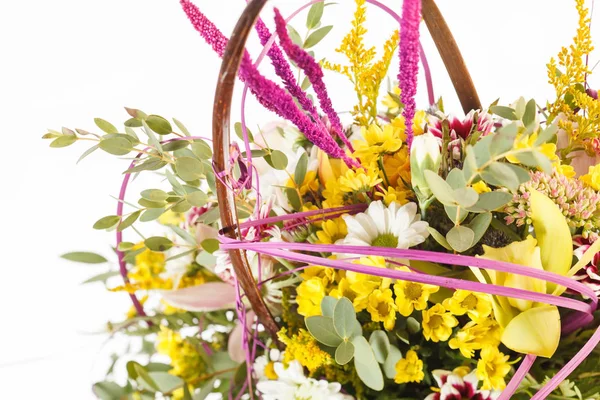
(409, 61)
(313, 71)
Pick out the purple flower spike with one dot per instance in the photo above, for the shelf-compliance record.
(409, 61)
(283, 70)
(313, 71)
(207, 29)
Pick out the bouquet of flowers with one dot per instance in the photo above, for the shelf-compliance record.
(401, 254)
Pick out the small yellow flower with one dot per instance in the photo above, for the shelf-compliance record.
(146, 273)
(391, 195)
(186, 361)
(409, 369)
(481, 187)
(391, 103)
(592, 178)
(438, 323)
(382, 308)
(475, 335)
(523, 142)
(171, 218)
(326, 274)
(397, 168)
(377, 142)
(564, 169)
(332, 231)
(477, 306)
(333, 195)
(270, 371)
(419, 122)
(492, 367)
(359, 181)
(364, 284)
(310, 183)
(412, 296)
(309, 295)
(304, 348)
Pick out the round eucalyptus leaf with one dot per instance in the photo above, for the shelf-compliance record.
(188, 168)
(389, 366)
(107, 222)
(380, 344)
(176, 145)
(130, 220)
(278, 160)
(63, 141)
(322, 329)
(344, 317)
(159, 125)
(154, 195)
(197, 198)
(152, 214)
(460, 238)
(327, 305)
(158, 243)
(118, 146)
(344, 353)
(366, 365)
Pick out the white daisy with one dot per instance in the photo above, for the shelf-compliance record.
(393, 226)
(291, 384)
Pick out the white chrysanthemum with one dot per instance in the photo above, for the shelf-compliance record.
(262, 362)
(291, 384)
(394, 226)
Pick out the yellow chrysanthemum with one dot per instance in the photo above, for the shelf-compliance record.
(391, 102)
(481, 187)
(186, 361)
(438, 323)
(326, 274)
(564, 169)
(332, 231)
(377, 142)
(364, 284)
(412, 296)
(592, 178)
(392, 195)
(309, 295)
(478, 306)
(303, 348)
(523, 142)
(359, 181)
(333, 195)
(343, 290)
(309, 184)
(382, 308)
(419, 122)
(475, 335)
(492, 367)
(409, 369)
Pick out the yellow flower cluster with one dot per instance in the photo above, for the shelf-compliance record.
(146, 273)
(409, 369)
(592, 178)
(363, 72)
(305, 349)
(186, 361)
(568, 76)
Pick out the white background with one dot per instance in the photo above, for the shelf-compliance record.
(64, 62)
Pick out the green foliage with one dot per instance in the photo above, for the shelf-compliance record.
(84, 257)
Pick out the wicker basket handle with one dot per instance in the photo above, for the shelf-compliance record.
(221, 127)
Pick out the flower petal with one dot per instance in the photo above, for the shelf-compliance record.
(535, 331)
(210, 296)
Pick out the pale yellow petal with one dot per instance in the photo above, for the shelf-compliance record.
(535, 331)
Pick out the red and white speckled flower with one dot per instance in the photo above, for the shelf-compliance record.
(588, 275)
(457, 385)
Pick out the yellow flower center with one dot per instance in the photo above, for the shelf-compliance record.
(386, 240)
(270, 371)
(413, 291)
(470, 302)
(383, 309)
(435, 321)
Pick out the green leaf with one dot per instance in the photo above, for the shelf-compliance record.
(181, 127)
(530, 113)
(84, 257)
(344, 317)
(135, 113)
(389, 367)
(152, 214)
(144, 375)
(482, 151)
(293, 198)
(166, 382)
(185, 235)
(504, 139)
(301, 168)
(188, 168)
(456, 179)
(315, 37)
(158, 243)
(151, 204)
(522, 174)
(491, 201)
(440, 188)
(176, 145)
(315, 14)
(109, 391)
(238, 131)
(479, 225)
(504, 112)
(210, 245)
(63, 141)
(500, 174)
(107, 222)
(197, 198)
(439, 238)
(277, 160)
(412, 325)
(456, 214)
(151, 164)
(305, 83)
(327, 305)
(88, 152)
(130, 220)
(460, 238)
(124, 246)
(133, 123)
(366, 365)
(152, 139)
(323, 330)
(159, 125)
(103, 277)
(294, 35)
(546, 135)
(344, 353)
(155, 195)
(466, 196)
(181, 207)
(202, 150)
(105, 125)
(380, 344)
(118, 146)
